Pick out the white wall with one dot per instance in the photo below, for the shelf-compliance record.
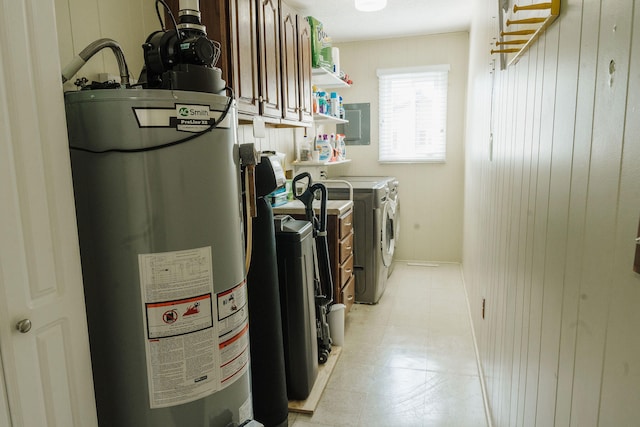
(550, 222)
(431, 194)
(128, 22)
(282, 140)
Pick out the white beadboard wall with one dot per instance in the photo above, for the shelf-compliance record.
(431, 195)
(550, 221)
(80, 22)
(281, 140)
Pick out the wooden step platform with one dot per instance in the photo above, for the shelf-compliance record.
(309, 405)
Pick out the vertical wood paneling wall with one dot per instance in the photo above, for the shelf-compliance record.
(551, 213)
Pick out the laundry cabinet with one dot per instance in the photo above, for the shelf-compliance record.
(340, 235)
(340, 242)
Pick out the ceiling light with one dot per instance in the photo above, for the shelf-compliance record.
(370, 5)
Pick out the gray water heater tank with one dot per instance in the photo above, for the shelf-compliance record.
(161, 240)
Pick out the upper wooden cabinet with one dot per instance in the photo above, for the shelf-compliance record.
(295, 36)
(265, 58)
(241, 67)
(290, 72)
(305, 67)
(269, 56)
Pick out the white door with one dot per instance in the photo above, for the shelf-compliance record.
(4, 404)
(47, 369)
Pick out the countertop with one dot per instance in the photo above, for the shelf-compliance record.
(334, 207)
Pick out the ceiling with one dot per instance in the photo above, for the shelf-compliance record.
(400, 18)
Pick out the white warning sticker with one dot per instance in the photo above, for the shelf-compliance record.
(183, 357)
(178, 317)
(233, 330)
(197, 341)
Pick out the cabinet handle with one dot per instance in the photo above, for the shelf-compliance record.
(350, 297)
(348, 270)
(349, 248)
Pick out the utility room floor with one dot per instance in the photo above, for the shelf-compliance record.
(408, 360)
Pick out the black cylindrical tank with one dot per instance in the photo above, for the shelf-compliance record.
(268, 380)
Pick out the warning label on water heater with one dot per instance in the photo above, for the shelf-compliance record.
(186, 324)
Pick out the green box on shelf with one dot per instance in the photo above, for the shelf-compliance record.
(320, 45)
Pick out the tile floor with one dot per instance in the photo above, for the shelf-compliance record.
(407, 361)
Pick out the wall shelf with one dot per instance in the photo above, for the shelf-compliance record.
(326, 79)
(298, 163)
(319, 118)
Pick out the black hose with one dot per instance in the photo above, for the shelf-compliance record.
(173, 19)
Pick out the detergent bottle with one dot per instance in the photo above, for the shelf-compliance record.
(325, 148)
(341, 147)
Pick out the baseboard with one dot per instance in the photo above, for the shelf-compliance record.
(483, 384)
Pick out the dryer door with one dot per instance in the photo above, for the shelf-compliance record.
(387, 243)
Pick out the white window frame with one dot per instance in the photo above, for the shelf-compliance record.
(402, 118)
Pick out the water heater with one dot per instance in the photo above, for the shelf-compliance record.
(156, 181)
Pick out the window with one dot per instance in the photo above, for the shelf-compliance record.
(413, 114)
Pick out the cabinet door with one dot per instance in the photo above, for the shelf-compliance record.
(290, 80)
(244, 55)
(269, 45)
(304, 68)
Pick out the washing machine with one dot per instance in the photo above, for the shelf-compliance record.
(394, 205)
(374, 230)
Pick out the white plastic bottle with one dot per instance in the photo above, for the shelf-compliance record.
(334, 104)
(325, 149)
(342, 147)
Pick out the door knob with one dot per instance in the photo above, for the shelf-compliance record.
(24, 326)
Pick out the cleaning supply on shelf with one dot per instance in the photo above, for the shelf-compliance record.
(324, 147)
(314, 105)
(323, 108)
(341, 146)
(305, 150)
(334, 151)
(335, 59)
(334, 105)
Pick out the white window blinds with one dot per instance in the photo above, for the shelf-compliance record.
(413, 114)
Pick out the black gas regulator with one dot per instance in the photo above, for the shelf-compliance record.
(182, 58)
